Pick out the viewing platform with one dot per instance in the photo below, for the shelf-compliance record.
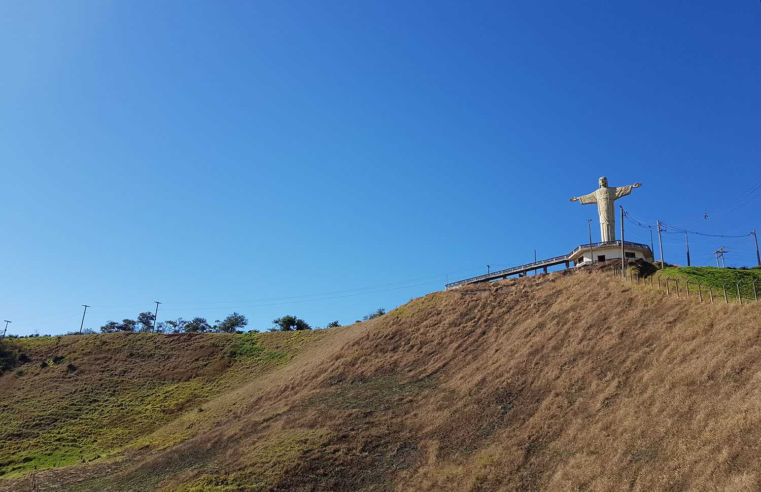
(581, 255)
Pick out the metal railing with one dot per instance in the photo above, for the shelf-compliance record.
(507, 271)
(548, 262)
(617, 242)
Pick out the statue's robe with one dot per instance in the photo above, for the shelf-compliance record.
(604, 198)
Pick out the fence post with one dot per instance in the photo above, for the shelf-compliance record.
(755, 294)
(710, 289)
(739, 295)
(668, 290)
(726, 300)
(700, 292)
(677, 286)
(659, 280)
(688, 289)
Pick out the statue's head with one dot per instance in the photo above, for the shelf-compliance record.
(603, 182)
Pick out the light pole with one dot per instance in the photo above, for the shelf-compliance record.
(83, 318)
(623, 251)
(156, 316)
(591, 249)
(6, 327)
(660, 241)
(488, 269)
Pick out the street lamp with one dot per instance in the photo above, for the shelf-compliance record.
(591, 249)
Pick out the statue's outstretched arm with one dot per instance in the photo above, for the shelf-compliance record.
(585, 199)
(625, 190)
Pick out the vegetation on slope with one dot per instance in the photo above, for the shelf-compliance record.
(77, 398)
(718, 277)
(567, 381)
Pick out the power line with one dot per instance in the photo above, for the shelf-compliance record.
(236, 306)
(200, 303)
(679, 230)
(232, 304)
(737, 200)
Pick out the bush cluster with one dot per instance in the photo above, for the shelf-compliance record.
(145, 322)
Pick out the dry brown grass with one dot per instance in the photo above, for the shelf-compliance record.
(560, 382)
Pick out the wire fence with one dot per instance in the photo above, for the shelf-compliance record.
(741, 292)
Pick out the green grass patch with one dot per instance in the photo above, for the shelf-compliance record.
(248, 348)
(78, 398)
(83, 425)
(717, 277)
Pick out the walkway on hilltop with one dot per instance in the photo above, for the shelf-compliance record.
(522, 270)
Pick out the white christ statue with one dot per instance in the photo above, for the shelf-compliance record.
(604, 198)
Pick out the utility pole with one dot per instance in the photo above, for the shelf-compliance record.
(156, 316)
(6, 327)
(591, 249)
(720, 253)
(488, 269)
(660, 242)
(83, 318)
(534, 262)
(687, 239)
(623, 252)
(758, 256)
(652, 246)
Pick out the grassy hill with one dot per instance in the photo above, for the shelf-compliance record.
(557, 382)
(717, 277)
(77, 398)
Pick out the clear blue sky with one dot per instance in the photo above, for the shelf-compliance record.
(280, 157)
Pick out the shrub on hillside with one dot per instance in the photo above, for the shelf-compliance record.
(8, 358)
(232, 323)
(127, 325)
(375, 314)
(333, 324)
(197, 325)
(145, 321)
(176, 325)
(290, 323)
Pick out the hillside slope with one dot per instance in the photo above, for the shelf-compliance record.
(557, 382)
(719, 277)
